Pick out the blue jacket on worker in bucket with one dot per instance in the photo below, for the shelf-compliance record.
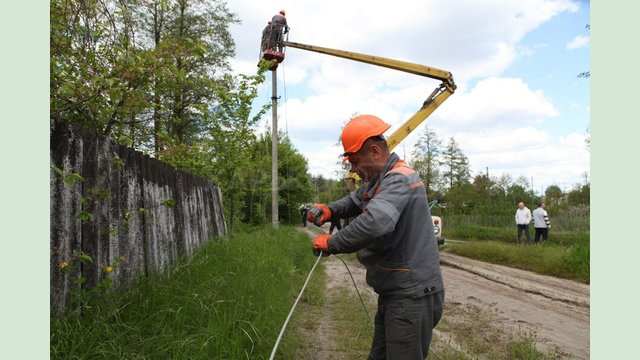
(392, 233)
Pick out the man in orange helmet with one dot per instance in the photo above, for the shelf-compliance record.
(393, 236)
(280, 27)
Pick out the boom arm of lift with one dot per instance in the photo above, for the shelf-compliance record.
(445, 89)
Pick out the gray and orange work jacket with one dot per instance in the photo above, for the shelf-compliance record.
(392, 233)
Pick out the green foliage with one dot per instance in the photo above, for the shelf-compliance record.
(170, 203)
(85, 216)
(82, 299)
(295, 185)
(69, 179)
(228, 302)
(142, 72)
(577, 260)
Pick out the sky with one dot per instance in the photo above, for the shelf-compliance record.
(519, 108)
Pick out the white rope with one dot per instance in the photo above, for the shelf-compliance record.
(275, 347)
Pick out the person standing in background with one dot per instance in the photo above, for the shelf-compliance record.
(541, 223)
(523, 218)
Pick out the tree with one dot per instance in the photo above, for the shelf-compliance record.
(198, 34)
(140, 72)
(517, 192)
(295, 185)
(426, 159)
(97, 73)
(222, 153)
(456, 165)
(553, 195)
(580, 195)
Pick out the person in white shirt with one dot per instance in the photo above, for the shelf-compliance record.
(541, 223)
(523, 218)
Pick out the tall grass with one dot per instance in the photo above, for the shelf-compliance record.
(228, 302)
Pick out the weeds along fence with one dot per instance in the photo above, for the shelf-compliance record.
(122, 208)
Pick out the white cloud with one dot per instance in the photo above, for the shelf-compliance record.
(578, 42)
(495, 103)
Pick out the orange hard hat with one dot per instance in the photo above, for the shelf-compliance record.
(359, 129)
(282, 12)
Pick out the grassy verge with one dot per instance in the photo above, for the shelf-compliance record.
(565, 254)
(549, 259)
(228, 302)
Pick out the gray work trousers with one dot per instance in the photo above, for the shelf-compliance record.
(404, 327)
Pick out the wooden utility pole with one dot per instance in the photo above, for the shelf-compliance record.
(274, 149)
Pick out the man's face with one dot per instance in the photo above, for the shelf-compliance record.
(362, 163)
(521, 205)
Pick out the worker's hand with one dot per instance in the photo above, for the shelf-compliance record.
(319, 214)
(321, 243)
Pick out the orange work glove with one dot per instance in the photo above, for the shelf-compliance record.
(321, 243)
(319, 214)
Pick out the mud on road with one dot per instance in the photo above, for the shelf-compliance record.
(504, 304)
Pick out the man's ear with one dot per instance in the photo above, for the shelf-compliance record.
(375, 151)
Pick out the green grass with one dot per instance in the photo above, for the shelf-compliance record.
(228, 302)
(549, 259)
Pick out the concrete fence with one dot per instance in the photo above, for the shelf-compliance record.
(118, 205)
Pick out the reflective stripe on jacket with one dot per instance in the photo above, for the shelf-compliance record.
(392, 233)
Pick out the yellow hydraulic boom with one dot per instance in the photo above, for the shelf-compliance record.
(435, 99)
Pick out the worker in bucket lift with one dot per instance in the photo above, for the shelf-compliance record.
(279, 28)
(266, 36)
(394, 239)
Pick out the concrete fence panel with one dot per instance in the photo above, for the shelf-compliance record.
(119, 206)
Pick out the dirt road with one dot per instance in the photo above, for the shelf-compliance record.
(492, 304)
(555, 310)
